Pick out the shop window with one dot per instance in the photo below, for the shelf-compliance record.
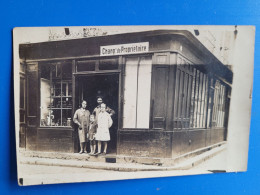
(199, 100)
(56, 94)
(190, 101)
(218, 114)
(137, 92)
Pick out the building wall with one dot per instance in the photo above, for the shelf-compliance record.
(161, 138)
(55, 140)
(144, 143)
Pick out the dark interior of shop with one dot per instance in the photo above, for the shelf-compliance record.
(90, 87)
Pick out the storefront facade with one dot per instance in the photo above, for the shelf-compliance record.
(170, 94)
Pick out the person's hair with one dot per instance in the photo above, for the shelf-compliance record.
(84, 101)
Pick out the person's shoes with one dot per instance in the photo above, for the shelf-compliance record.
(85, 152)
(80, 152)
(104, 153)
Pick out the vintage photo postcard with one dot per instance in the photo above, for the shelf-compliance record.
(126, 102)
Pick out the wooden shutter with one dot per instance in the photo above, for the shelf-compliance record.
(32, 105)
(159, 96)
(22, 132)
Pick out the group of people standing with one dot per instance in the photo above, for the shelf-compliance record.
(94, 127)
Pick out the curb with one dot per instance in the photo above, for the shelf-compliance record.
(124, 167)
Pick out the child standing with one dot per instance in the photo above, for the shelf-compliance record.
(104, 122)
(91, 132)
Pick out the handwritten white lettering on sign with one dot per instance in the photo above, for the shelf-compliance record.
(124, 49)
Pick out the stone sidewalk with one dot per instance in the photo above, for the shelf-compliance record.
(101, 162)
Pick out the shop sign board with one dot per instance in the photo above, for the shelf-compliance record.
(124, 49)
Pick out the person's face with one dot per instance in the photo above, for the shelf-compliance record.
(84, 104)
(99, 101)
(103, 107)
(92, 119)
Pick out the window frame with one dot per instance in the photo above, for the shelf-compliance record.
(97, 62)
(61, 81)
(222, 90)
(197, 97)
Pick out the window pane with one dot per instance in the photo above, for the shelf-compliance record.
(202, 101)
(210, 103)
(192, 106)
(223, 106)
(205, 102)
(176, 98)
(56, 71)
(55, 117)
(66, 70)
(215, 105)
(189, 96)
(45, 100)
(196, 98)
(180, 95)
(67, 102)
(129, 115)
(144, 87)
(108, 64)
(66, 117)
(199, 99)
(184, 95)
(86, 65)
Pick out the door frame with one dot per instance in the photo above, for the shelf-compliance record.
(75, 89)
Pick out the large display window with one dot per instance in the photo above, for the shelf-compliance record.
(56, 94)
(191, 97)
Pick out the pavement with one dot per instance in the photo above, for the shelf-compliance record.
(36, 170)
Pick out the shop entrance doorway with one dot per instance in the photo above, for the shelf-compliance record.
(92, 86)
